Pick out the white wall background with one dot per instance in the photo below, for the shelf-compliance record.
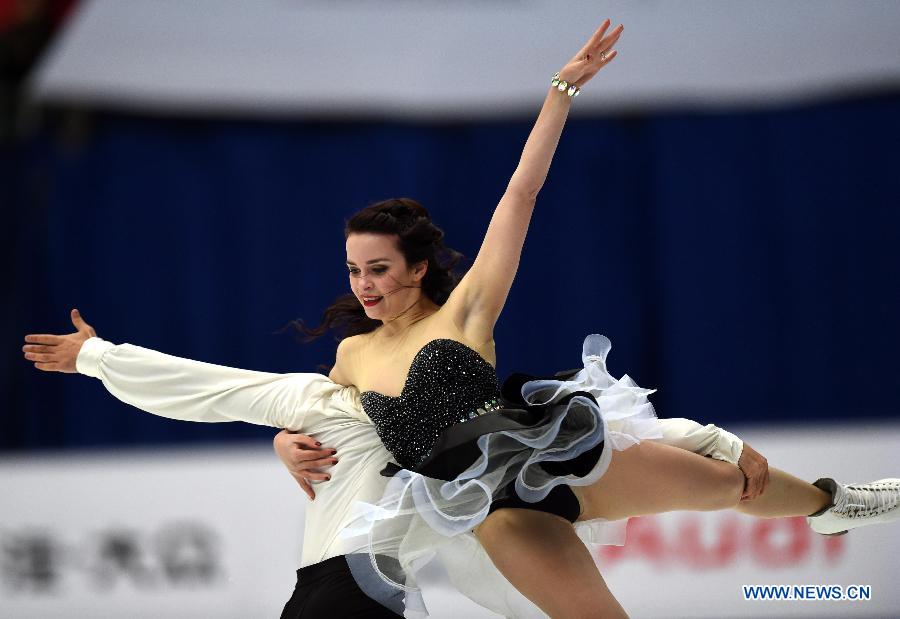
(249, 518)
(401, 58)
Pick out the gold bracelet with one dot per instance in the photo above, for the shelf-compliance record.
(563, 86)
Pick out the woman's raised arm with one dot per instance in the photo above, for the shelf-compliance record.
(189, 390)
(481, 294)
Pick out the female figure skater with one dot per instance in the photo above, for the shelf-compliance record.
(567, 449)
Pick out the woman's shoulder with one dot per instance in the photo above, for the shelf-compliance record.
(343, 370)
(353, 343)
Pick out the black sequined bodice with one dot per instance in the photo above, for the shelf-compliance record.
(448, 383)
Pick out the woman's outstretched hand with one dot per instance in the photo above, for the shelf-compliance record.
(596, 54)
(57, 353)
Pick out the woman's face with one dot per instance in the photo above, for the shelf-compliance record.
(379, 275)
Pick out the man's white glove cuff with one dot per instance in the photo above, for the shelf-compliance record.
(88, 361)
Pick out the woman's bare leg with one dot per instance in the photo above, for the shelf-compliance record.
(647, 478)
(786, 495)
(542, 557)
(644, 479)
(650, 478)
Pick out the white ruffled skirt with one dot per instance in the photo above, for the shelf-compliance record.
(580, 418)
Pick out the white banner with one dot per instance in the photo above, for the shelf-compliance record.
(402, 59)
(217, 532)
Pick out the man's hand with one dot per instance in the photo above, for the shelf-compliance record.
(304, 459)
(756, 472)
(57, 353)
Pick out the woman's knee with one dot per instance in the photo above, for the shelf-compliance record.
(511, 521)
(710, 484)
(726, 487)
(500, 524)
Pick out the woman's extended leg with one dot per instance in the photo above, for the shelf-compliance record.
(832, 508)
(647, 478)
(644, 479)
(542, 557)
(650, 478)
(786, 495)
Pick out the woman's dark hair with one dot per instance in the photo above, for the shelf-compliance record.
(418, 239)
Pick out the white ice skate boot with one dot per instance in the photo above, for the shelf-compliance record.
(856, 505)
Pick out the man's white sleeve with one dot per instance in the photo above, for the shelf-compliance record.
(195, 391)
(708, 440)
